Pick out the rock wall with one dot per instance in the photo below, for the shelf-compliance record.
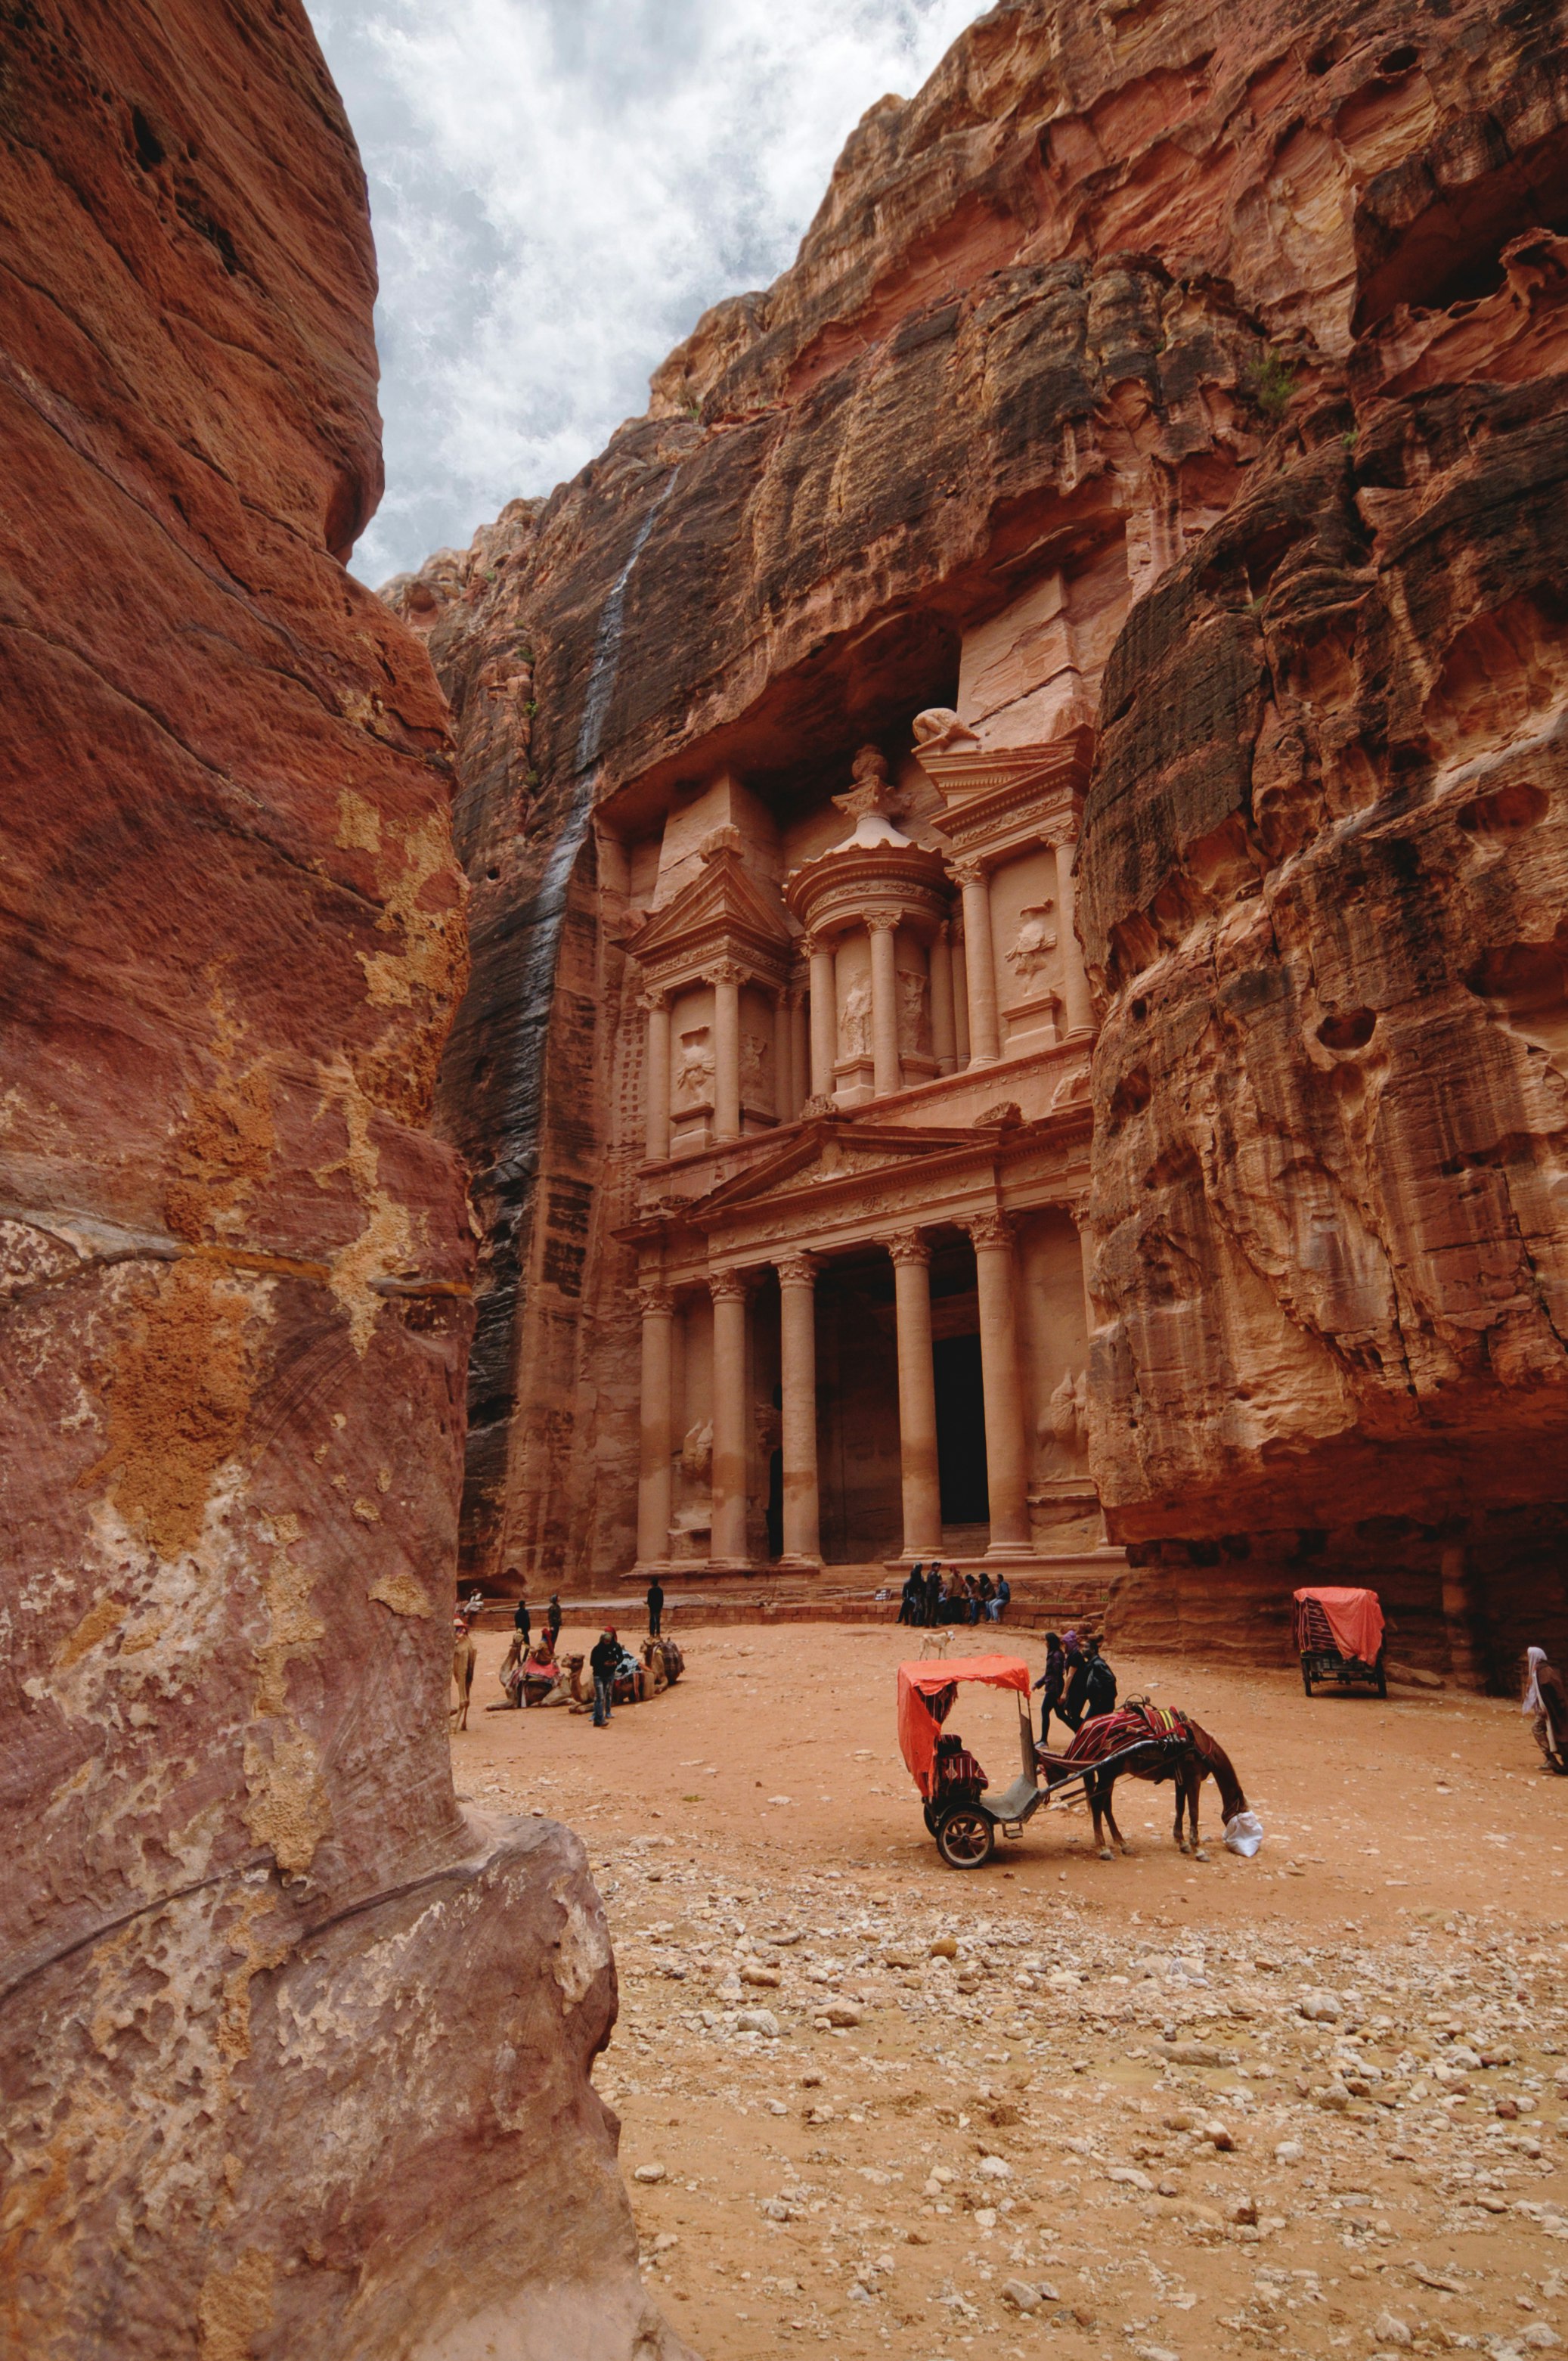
(1160, 281)
(265, 1984)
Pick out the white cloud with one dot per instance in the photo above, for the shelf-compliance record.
(559, 188)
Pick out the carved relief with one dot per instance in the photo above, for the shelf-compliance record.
(1031, 952)
(913, 1015)
(855, 1022)
(755, 1067)
(1066, 1418)
(697, 1453)
(693, 1075)
(939, 731)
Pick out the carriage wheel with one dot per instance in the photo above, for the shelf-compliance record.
(1306, 1677)
(965, 1836)
(932, 1818)
(1382, 1675)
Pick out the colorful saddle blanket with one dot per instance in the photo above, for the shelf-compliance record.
(1131, 1725)
(959, 1769)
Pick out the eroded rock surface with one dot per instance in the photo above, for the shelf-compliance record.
(294, 2058)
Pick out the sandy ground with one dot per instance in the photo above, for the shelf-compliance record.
(1306, 2104)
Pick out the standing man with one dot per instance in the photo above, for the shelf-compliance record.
(553, 1621)
(1052, 1681)
(602, 1662)
(655, 1606)
(1076, 1695)
(522, 1620)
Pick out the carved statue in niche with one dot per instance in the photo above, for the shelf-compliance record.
(693, 1075)
(913, 1015)
(1067, 1414)
(697, 1453)
(855, 1022)
(754, 1061)
(1036, 942)
(939, 731)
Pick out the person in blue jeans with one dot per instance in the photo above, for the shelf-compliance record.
(999, 1597)
(602, 1662)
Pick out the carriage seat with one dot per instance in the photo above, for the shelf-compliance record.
(957, 1767)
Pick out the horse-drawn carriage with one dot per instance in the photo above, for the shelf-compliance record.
(964, 1816)
(1339, 1637)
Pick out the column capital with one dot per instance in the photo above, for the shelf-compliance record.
(653, 1296)
(908, 1246)
(724, 971)
(728, 1286)
(882, 922)
(796, 1269)
(652, 998)
(991, 1230)
(968, 871)
(1077, 1210)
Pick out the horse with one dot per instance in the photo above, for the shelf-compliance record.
(1169, 1746)
(464, 1656)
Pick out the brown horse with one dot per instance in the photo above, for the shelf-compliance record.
(1185, 1754)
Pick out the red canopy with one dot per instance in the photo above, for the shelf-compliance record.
(1356, 1618)
(921, 1711)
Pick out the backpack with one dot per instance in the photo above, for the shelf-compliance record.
(1101, 1694)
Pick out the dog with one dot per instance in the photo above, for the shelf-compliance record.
(935, 1643)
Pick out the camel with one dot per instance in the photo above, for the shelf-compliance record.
(665, 1663)
(464, 1656)
(1183, 1751)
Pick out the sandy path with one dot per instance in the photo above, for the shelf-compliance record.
(1411, 1871)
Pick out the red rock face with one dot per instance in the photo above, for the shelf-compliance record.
(263, 1982)
(1116, 282)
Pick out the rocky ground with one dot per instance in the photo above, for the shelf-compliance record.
(1314, 2103)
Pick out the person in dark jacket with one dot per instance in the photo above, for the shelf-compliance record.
(1100, 1684)
(1075, 1694)
(655, 1606)
(552, 1618)
(602, 1664)
(523, 1622)
(912, 1595)
(1052, 1681)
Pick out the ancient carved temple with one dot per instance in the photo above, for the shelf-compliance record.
(864, 1137)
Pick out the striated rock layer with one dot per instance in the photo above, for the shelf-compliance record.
(1245, 326)
(265, 1988)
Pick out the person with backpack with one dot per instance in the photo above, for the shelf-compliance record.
(1100, 1688)
(1075, 1692)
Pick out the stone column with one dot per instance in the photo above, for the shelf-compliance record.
(731, 1405)
(944, 1040)
(726, 981)
(916, 1396)
(960, 995)
(824, 1017)
(797, 1390)
(886, 1072)
(984, 1036)
(656, 1078)
(801, 1050)
(1075, 981)
(783, 1060)
(653, 1432)
(1006, 1464)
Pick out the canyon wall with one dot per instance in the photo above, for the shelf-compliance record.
(1259, 313)
(266, 1986)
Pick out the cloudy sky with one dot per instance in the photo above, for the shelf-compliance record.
(559, 187)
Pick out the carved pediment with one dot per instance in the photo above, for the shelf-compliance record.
(1001, 795)
(723, 913)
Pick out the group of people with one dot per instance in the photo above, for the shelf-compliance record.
(1077, 1684)
(529, 1659)
(932, 1595)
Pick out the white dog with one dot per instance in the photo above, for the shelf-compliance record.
(935, 1643)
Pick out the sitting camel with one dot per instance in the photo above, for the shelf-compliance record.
(464, 1656)
(664, 1662)
(1168, 1745)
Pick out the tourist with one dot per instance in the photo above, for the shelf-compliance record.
(603, 1662)
(987, 1593)
(1052, 1681)
(523, 1619)
(1001, 1599)
(1076, 1691)
(553, 1621)
(655, 1606)
(1546, 1709)
(1099, 1685)
(934, 1593)
(972, 1601)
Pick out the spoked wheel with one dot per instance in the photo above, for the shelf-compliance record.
(932, 1818)
(966, 1839)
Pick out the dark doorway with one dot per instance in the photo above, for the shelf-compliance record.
(960, 1431)
(775, 1504)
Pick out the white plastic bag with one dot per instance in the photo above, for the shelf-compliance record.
(1244, 1834)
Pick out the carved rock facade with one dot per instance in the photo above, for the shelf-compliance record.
(264, 1985)
(1049, 452)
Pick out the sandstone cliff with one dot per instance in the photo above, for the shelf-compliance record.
(1262, 307)
(266, 1987)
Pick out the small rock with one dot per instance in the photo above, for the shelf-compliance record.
(665, 2241)
(1334, 2097)
(1219, 2136)
(1020, 2295)
(994, 2168)
(1540, 2334)
(1389, 2329)
(1289, 2152)
(1126, 2176)
(944, 1947)
(753, 1974)
(843, 2012)
(1321, 2007)
(1197, 2053)
(1508, 2109)
(1242, 2211)
(649, 2172)
(763, 2021)
(859, 2294)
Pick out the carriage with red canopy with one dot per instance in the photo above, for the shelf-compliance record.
(960, 1811)
(1339, 1636)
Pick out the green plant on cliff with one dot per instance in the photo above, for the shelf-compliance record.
(1271, 384)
